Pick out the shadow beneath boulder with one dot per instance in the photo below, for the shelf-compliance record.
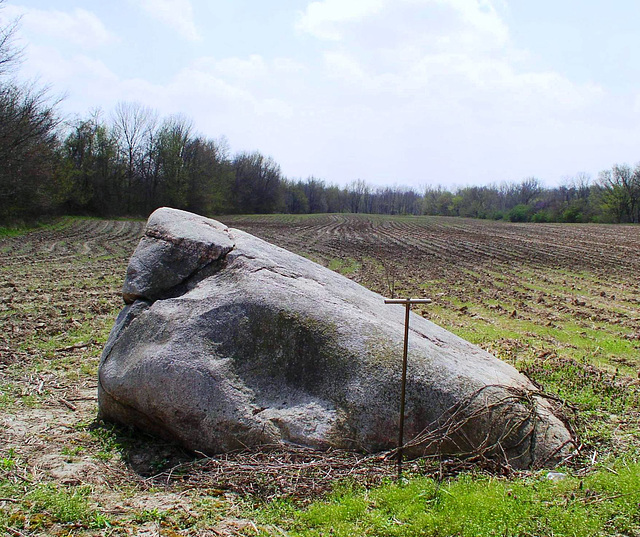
(146, 455)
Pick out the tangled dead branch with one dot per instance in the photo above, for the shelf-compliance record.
(305, 474)
(455, 431)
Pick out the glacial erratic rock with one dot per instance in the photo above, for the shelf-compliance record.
(228, 341)
(175, 245)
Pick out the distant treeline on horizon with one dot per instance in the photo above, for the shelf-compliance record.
(134, 162)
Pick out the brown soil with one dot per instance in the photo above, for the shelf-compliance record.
(60, 292)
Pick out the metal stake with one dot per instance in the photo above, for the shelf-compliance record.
(407, 303)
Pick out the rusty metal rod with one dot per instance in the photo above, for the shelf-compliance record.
(403, 387)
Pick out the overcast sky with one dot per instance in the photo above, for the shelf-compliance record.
(395, 92)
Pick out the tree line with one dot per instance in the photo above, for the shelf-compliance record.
(131, 161)
(613, 198)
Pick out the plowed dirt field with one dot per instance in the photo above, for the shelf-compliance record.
(560, 302)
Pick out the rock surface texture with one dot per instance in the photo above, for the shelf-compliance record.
(228, 341)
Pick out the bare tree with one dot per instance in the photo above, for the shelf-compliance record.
(134, 125)
(28, 124)
(528, 190)
(10, 54)
(169, 155)
(211, 177)
(359, 196)
(90, 170)
(257, 186)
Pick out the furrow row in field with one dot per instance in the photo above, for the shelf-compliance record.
(554, 248)
(517, 243)
(490, 261)
(81, 238)
(421, 243)
(563, 246)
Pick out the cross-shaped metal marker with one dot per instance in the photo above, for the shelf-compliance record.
(407, 303)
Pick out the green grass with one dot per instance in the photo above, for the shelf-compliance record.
(599, 335)
(606, 345)
(39, 506)
(7, 232)
(344, 266)
(108, 439)
(603, 503)
(22, 229)
(6, 396)
(11, 396)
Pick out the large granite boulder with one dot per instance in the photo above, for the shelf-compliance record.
(228, 341)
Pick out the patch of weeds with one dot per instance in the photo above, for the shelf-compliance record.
(8, 462)
(169, 520)
(65, 505)
(102, 332)
(66, 338)
(110, 439)
(481, 332)
(40, 506)
(8, 313)
(7, 232)
(144, 454)
(72, 451)
(7, 399)
(32, 400)
(158, 465)
(89, 368)
(279, 511)
(11, 395)
(150, 515)
(20, 229)
(594, 428)
(344, 266)
(61, 351)
(582, 384)
(210, 510)
(435, 285)
(606, 344)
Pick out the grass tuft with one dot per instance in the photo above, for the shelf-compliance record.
(606, 502)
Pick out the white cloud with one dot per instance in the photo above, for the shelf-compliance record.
(482, 17)
(221, 103)
(80, 26)
(287, 65)
(255, 67)
(177, 14)
(86, 82)
(232, 84)
(251, 68)
(324, 18)
(333, 19)
(341, 65)
(437, 51)
(442, 78)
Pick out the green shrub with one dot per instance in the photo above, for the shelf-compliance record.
(520, 213)
(541, 217)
